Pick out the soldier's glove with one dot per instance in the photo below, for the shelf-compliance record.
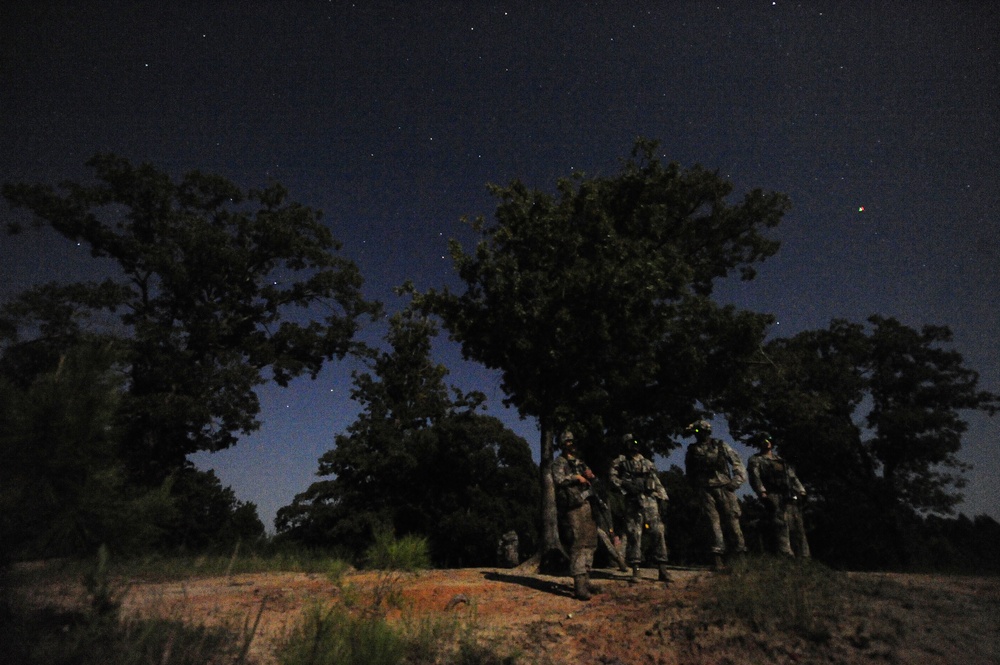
(733, 485)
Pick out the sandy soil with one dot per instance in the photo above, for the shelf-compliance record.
(904, 619)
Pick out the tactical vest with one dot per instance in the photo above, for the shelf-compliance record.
(638, 478)
(710, 460)
(774, 474)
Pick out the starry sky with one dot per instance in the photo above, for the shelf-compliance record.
(880, 119)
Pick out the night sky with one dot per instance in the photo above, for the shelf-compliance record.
(881, 121)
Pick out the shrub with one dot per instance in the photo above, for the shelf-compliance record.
(409, 553)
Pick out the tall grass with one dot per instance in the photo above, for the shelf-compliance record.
(331, 635)
(408, 554)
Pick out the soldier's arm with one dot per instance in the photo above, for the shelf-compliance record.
(794, 482)
(614, 474)
(659, 492)
(739, 471)
(753, 470)
(561, 472)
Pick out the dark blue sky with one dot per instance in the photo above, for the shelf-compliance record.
(392, 116)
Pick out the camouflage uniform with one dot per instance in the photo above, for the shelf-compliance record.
(775, 482)
(576, 521)
(716, 472)
(636, 477)
(508, 550)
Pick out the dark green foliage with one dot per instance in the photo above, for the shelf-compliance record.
(418, 461)
(206, 282)
(63, 486)
(596, 304)
(208, 516)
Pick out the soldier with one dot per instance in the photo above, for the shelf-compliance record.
(508, 550)
(781, 491)
(637, 479)
(716, 472)
(572, 477)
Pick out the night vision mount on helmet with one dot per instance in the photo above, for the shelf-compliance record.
(699, 427)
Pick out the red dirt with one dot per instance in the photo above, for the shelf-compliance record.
(926, 619)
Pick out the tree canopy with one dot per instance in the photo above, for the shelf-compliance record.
(214, 292)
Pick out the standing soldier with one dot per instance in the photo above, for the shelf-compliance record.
(775, 482)
(716, 472)
(572, 481)
(637, 479)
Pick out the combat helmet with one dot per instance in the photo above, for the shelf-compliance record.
(699, 428)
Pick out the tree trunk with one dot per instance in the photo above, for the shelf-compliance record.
(553, 557)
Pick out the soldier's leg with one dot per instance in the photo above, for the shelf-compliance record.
(797, 529)
(656, 532)
(710, 514)
(634, 524)
(584, 537)
(730, 508)
(778, 509)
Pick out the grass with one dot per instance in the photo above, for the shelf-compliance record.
(803, 597)
(407, 554)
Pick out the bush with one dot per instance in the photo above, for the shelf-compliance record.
(409, 553)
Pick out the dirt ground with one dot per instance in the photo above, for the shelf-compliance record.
(905, 618)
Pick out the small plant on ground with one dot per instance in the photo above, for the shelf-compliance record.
(407, 554)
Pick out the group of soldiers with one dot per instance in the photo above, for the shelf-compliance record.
(715, 471)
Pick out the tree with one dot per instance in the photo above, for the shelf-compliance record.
(63, 487)
(207, 515)
(872, 419)
(596, 305)
(210, 292)
(417, 461)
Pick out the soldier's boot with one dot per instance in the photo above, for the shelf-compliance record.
(636, 576)
(664, 575)
(718, 564)
(581, 590)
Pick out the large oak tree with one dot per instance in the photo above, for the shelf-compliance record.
(595, 304)
(214, 291)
